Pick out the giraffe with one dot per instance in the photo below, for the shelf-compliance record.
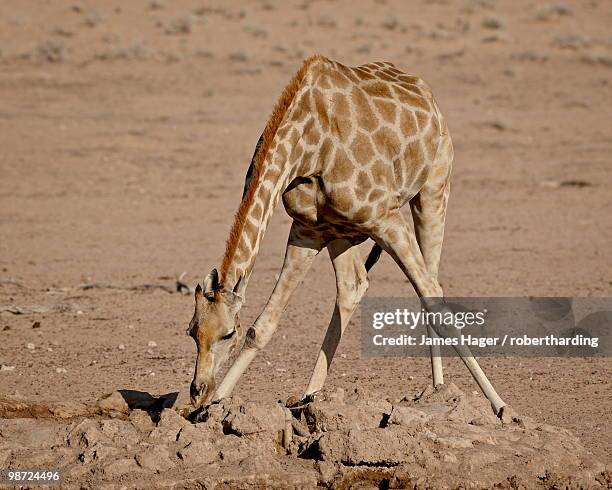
(345, 148)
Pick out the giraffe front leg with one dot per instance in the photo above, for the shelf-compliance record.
(351, 285)
(299, 256)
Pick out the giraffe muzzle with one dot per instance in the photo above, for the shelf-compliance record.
(199, 393)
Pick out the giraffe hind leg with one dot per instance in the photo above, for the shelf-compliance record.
(428, 209)
(399, 240)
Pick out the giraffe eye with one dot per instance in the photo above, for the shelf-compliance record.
(229, 335)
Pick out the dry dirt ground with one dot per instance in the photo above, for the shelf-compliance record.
(125, 132)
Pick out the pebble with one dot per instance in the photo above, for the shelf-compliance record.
(121, 347)
(4, 367)
(60, 370)
(152, 343)
(31, 346)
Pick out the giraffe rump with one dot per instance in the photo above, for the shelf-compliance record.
(278, 113)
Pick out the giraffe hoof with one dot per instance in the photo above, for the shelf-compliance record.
(507, 415)
(292, 401)
(295, 402)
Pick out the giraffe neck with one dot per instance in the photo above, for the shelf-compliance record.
(265, 189)
(277, 160)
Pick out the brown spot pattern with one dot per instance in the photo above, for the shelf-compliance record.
(386, 109)
(342, 169)
(387, 142)
(408, 124)
(361, 148)
(321, 109)
(363, 112)
(378, 89)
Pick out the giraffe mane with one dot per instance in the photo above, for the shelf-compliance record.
(278, 113)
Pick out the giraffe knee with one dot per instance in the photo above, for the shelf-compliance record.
(351, 292)
(257, 337)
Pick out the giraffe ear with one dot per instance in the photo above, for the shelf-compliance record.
(198, 297)
(211, 284)
(233, 301)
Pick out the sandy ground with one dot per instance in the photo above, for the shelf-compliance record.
(125, 132)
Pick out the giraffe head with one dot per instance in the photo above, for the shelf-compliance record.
(216, 329)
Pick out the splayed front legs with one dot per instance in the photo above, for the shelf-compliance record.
(298, 259)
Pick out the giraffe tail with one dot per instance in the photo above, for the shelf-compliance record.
(373, 257)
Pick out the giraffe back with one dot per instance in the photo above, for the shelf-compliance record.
(374, 132)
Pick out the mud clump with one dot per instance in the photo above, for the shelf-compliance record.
(443, 438)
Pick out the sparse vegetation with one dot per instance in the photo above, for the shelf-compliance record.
(552, 12)
(491, 22)
(179, 25)
(47, 52)
(238, 56)
(570, 42)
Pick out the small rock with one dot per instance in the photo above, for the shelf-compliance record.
(327, 470)
(5, 368)
(193, 433)
(251, 418)
(141, 420)
(36, 325)
(170, 419)
(407, 416)
(86, 434)
(155, 458)
(113, 403)
(152, 343)
(331, 412)
(197, 453)
(60, 370)
(121, 347)
(119, 431)
(31, 346)
(369, 447)
(168, 427)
